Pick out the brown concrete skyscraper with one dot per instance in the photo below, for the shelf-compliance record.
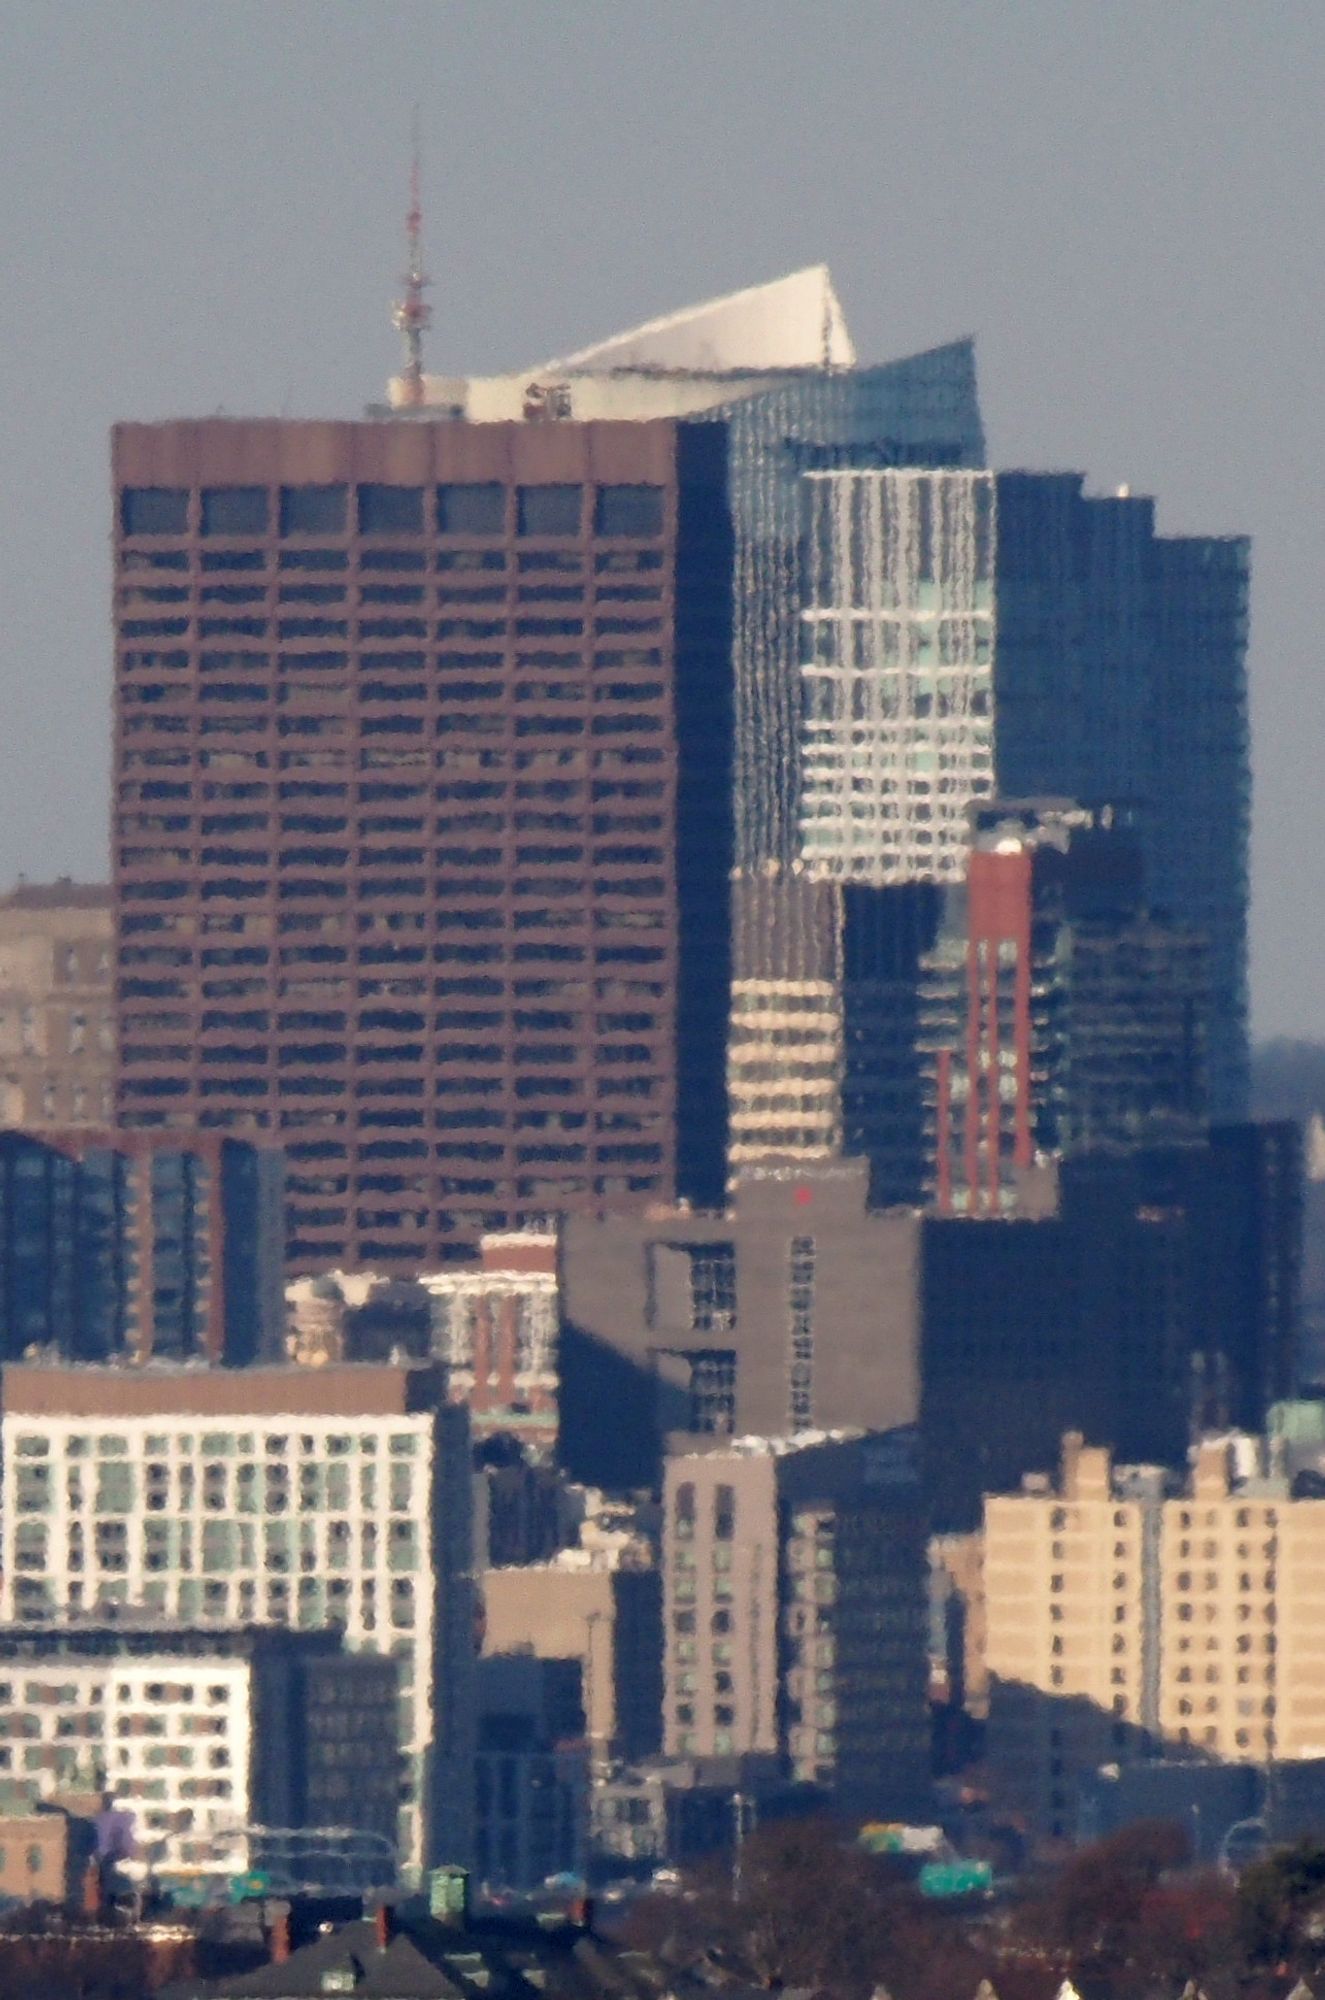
(423, 814)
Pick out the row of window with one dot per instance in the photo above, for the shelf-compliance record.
(327, 762)
(399, 598)
(475, 567)
(215, 1444)
(458, 508)
(568, 622)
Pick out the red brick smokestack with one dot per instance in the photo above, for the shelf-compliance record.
(92, 1887)
(280, 1938)
(382, 1921)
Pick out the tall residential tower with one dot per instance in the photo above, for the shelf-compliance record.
(968, 634)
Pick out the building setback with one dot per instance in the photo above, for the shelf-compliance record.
(423, 794)
(1150, 1292)
(140, 1246)
(309, 1497)
(795, 1309)
(775, 368)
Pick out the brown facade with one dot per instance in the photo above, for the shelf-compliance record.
(609, 1620)
(423, 815)
(43, 1855)
(346, 1391)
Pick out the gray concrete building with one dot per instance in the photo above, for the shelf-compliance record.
(796, 1309)
(802, 1308)
(795, 1606)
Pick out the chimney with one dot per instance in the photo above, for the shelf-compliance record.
(581, 1912)
(92, 1887)
(280, 1938)
(382, 1923)
(448, 1896)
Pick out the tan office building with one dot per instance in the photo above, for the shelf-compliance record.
(56, 1025)
(581, 1606)
(1127, 1620)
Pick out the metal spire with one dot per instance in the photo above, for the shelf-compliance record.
(412, 315)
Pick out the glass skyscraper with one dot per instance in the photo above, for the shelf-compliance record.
(1041, 643)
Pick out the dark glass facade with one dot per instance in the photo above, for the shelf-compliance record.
(138, 1246)
(1057, 1015)
(1120, 675)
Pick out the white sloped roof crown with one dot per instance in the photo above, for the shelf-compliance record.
(787, 323)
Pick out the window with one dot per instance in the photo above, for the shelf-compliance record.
(800, 1301)
(154, 510)
(549, 510)
(629, 510)
(234, 510)
(313, 510)
(713, 1391)
(471, 509)
(712, 1287)
(388, 510)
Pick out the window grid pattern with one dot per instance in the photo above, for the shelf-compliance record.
(397, 801)
(301, 1521)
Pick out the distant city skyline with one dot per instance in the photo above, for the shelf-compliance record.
(206, 210)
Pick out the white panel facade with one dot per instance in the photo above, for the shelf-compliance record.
(896, 734)
(295, 1520)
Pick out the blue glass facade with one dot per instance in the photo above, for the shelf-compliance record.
(922, 410)
(1120, 676)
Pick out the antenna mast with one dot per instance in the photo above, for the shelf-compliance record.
(412, 315)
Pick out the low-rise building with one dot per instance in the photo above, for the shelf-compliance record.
(583, 1606)
(496, 1328)
(307, 1498)
(1129, 1616)
(44, 1853)
(200, 1735)
(531, 1773)
(493, 1322)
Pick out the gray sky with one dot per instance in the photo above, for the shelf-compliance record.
(200, 210)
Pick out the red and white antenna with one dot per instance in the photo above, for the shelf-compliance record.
(412, 315)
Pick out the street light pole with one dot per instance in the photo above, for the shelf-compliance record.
(742, 1827)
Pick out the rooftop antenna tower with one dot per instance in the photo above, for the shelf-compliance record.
(412, 315)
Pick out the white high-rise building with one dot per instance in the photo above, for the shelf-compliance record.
(289, 1496)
